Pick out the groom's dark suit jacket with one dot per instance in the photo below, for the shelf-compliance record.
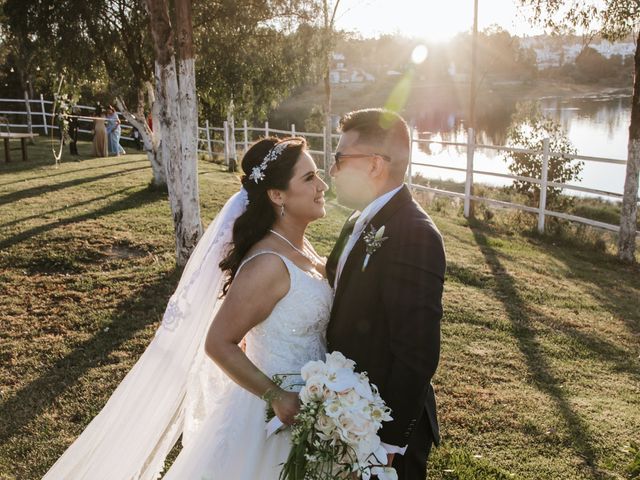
(387, 318)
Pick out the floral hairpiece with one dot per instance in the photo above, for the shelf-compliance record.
(257, 173)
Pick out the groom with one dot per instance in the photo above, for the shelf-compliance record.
(388, 270)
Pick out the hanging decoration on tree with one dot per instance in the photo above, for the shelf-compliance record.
(63, 105)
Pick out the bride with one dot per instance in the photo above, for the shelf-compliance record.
(252, 303)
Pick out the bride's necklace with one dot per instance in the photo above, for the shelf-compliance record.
(301, 252)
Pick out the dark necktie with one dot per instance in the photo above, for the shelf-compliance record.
(334, 257)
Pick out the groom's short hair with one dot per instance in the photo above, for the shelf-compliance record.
(385, 131)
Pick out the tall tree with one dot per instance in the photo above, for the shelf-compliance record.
(329, 11)
(178, 117)
(613, 20)
(253, 53)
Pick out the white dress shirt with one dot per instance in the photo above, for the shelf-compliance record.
(363, 220)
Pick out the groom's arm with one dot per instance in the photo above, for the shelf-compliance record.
(412, 299)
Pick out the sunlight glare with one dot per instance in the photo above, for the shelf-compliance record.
(429, 20)
(419, 54)
(436, 148)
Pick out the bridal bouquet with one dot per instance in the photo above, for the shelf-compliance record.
(335, 434)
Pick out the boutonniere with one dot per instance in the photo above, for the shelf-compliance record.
(373, 241)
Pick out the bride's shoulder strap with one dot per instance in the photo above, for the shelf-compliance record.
(284, 259)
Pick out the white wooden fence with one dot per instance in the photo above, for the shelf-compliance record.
(228, 136)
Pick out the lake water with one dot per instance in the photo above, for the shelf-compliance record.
(597, 125)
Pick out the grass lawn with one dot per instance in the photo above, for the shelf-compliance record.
(540, 370)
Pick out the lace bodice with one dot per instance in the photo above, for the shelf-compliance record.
(295, 331)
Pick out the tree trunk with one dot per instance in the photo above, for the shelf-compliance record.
(192, 226)
(629, 214)
(177, 118)
(327, 117)
(151, 144)
(328, 27)
(141, 102)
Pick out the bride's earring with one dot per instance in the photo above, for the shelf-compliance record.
(282, 210)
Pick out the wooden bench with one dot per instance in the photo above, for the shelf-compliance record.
(14, 136)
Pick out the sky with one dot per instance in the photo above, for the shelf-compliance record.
(431, 20)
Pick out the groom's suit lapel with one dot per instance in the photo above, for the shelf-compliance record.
(357, 254)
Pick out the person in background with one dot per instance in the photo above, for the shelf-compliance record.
(113, 132)
(99, 134)
(73, 131)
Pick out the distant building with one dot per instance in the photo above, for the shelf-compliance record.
(608, 49)
(339, 72)
(552, 52)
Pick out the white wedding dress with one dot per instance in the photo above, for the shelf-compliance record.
(231, 442)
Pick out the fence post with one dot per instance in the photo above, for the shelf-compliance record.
(410, 170)
(543, 184)
(232, 145)
(225, 136)
(469, 180)
(44, 116)
(293, 129)
(266, 129)
(29, 119)
(245, 127)
(206, 123)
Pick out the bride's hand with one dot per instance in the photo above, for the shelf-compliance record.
(286, 406)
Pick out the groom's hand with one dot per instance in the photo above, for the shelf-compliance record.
(390, 458)
(286, 406)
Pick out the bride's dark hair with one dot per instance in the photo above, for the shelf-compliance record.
(259, 217)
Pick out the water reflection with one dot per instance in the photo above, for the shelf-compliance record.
(596, 125)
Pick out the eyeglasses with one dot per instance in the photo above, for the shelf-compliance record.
(337, 157)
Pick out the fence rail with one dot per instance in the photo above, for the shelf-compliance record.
(322, 145)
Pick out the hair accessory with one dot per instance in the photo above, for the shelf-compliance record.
(257, 173)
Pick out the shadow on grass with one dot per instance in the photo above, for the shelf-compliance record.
(67, 207)
(131, 316)
(518, 312)
(35, 191)
(135, 200)
(71, 172)
(614, 285)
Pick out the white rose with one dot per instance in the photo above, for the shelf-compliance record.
(348, 398)
(313, 368)
(328, 394)
(310, 394)
(360, 426)
(317, 382)
(345, 422)
(325, 424)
